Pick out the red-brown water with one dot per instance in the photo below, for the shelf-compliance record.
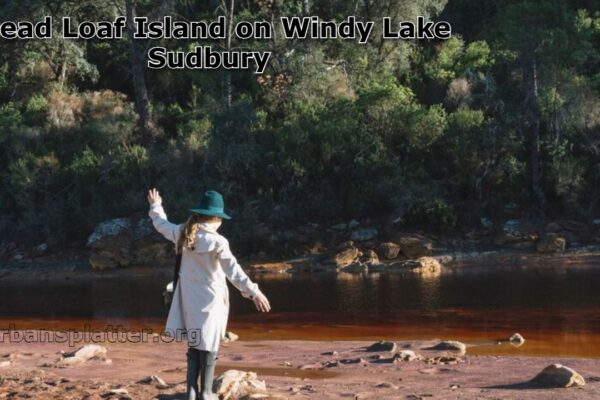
(556, 309)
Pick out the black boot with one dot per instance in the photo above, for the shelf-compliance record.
(208, 361)
(193, 370)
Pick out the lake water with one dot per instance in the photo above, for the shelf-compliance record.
(556, 308)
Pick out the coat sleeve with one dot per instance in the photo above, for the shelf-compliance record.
(234, 271)
(159, 219)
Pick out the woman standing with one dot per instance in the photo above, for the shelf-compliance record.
(200, 307)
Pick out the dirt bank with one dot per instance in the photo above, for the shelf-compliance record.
(291, 369)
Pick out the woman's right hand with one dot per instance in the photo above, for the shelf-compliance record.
(261, 302)
(154, 197)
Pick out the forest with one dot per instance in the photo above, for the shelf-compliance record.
(433, 135)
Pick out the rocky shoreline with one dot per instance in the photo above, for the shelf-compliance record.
(130, 246)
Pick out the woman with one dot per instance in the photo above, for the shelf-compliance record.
(200, 307)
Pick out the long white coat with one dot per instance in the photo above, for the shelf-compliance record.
(200, 307)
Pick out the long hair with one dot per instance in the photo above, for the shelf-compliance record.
(187, 238)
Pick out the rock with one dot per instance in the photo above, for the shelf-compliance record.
(558, 376)
(121, 392)
(553, 227)
(18, 257)
(353, 224)
(352, 360)
(339, 227)
(426, 266)
(517, 338)
(356, 268)
(235, 384)
(346, 257)
(41, 249)
(452, 345)
(153, 380)
(82, 354)
(388, 250)
(364, 234)
(230, 337)
(408, 355)
(5, 363)
(414, 246)
(552, 243)
(486, 223)
(448, 360)
(270, 267)
(516, 231)
(369, 257)
(383, 346)
(386, 385)
(329, 353)
(121, 242)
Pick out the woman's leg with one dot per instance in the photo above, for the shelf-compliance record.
(208, 361)
(193, 370)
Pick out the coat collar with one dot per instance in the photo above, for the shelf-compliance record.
(209, 227)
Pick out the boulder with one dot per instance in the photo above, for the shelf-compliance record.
(388, 250)
(345, 257)
(516, 231)
(414, 246)
(383, 345)
(552, 243)
(451, 345)
(558, 376)
(235, 384)
(122, 242)
(364, 234)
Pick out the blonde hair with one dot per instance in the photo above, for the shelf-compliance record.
(187, 238)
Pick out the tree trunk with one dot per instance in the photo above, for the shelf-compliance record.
(305, 9)
(533, 128)
(137, 70)
(228, 87)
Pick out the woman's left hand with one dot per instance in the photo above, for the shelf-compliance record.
(261, 302)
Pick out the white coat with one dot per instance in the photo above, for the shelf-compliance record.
(200, 307)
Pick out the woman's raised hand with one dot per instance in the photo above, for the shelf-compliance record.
(154, 197)
(261, 302)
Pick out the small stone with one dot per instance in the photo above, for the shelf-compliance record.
(152, 380)
(517, 338)
(231, 337)
(329, 353)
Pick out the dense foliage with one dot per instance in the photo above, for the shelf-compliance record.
(434, 134)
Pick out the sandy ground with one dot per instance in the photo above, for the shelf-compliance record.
(23, 373)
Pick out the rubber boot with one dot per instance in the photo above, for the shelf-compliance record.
(208, 361)
(193, 370)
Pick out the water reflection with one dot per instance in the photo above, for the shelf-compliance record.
(551, 306)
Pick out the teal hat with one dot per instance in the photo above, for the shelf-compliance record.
(211, 204)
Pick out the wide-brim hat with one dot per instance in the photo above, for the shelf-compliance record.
(211, 204)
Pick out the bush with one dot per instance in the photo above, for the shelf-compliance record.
(432, 215)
